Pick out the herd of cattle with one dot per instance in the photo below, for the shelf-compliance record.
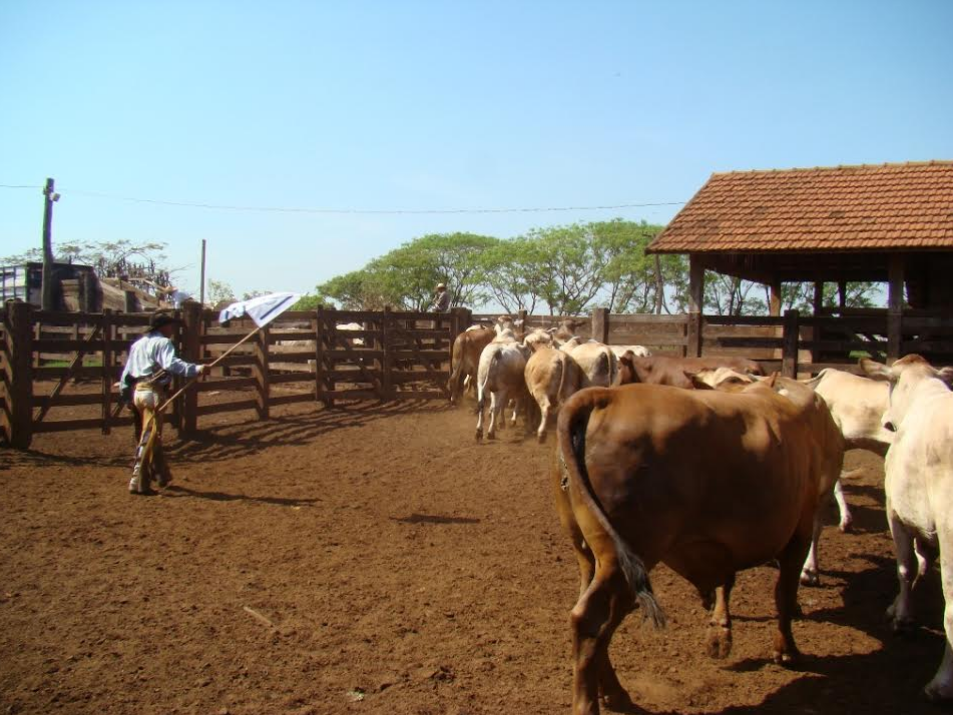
(711, 467)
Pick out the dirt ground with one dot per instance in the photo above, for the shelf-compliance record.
(376, 560)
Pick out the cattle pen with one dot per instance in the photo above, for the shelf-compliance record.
(64, 359)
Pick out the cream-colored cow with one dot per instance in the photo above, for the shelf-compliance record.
(919, 488)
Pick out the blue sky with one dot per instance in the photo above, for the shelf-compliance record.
(427, 105)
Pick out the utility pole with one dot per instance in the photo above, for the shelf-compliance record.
(202, 289)
(49, 196)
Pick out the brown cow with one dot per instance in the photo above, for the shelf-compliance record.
(665, 370)
(707, 482)
(465, 359)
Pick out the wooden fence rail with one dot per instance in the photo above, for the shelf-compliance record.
(52, 360)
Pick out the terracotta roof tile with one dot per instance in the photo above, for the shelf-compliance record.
(844, 208)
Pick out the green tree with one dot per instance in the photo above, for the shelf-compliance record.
(405, 278)
(571, 267)
(511, 274)
(220, 292)
(634, 281)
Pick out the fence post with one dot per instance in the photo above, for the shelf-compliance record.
(129, 301)
(521, 329)
(387, 361)
(331, 329)
(320, 388)
(693, 335)
(108, 377)
(789, 344)
(264, 375)
(20, 354)
(191, 352)
(600, 325)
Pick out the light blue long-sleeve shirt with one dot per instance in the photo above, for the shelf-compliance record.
(153, 352)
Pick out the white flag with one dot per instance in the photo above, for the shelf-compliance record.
(262, 309)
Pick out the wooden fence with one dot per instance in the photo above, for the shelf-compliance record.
(51, 360)
(54, 360)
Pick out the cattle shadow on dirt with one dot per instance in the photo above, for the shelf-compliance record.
(176, 491)
(416, 518)
(868, 682)
(237, 439)
(32, 458)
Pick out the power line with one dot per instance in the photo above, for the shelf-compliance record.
(19, 186)
(331, 211)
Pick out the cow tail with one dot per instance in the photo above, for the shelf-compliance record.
(571, 434)
(455, 383)
(481, 386)
(605, 367)
(562, 367)
(816, 380)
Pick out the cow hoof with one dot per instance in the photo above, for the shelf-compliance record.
(787, 659)
(846, 525)
(903, 627)
(491, 435)
(479, 436)
(936, 693)
(810, 578)
(719, 643)
(541, 438)
(618, 700)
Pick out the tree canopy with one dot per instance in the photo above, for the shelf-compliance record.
(562, 270)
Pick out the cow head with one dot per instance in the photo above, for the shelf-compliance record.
(719, 378)
(537, 338)
(906, 376)
(626, 374)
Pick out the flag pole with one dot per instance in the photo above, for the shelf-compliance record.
(212, 364)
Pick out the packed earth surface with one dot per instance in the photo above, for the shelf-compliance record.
(376, 559)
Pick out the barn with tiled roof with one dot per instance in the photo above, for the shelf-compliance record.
(886, 222)
(837, 223)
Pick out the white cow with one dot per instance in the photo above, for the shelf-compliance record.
(537, 337)
(500, 374)
(597, 362)
(639, 350)
(857, 405)
(919, 488)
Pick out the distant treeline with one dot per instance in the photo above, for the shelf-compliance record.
(560, 270)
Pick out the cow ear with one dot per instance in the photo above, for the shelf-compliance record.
(946, 374)
(697, 382)
(874, 369)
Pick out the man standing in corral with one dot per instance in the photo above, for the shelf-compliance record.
(441, 301)
(149, 369)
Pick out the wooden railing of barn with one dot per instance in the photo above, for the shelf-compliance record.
(53, 360)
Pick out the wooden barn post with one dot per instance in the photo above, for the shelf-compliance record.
(600, 325)
(19, 337)
(696, 302)
(191, 352)
(816, 331)
(789, 344)
(894, 307)
(777, 301)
